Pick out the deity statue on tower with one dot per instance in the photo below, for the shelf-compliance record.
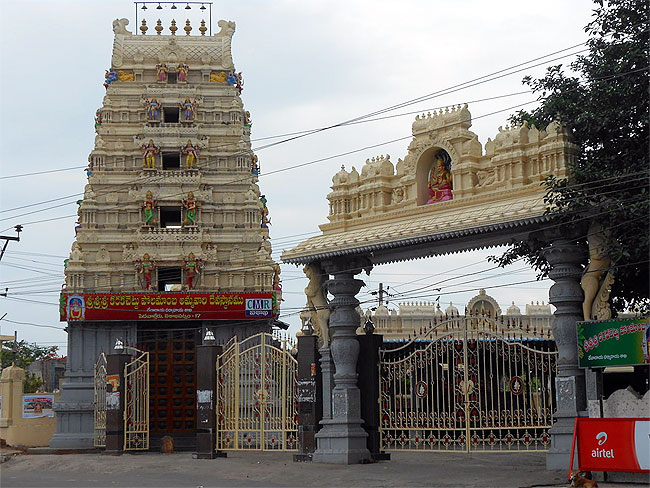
(193, 267)
(110, 77)
(150, 151)
(181, 73)
(153, 109)
(191, 154)
(439, 181)
(144, 267)
(266, 221)
(247, 119)
(190, 209)
(255, 167)
(187, 109)
(149, 208)
(161, 71)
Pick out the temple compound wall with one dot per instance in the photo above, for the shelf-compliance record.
(172, 216)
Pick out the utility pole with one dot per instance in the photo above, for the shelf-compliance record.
(381, 294)
(18, 228)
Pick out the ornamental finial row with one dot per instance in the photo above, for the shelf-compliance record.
(172, 28)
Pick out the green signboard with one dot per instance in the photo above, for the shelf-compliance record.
(614, 343)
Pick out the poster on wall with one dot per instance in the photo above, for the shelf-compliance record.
(37, 406)
(614, 343)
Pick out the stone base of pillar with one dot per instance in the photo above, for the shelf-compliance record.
(569, 394)
(341, 443)
(74, 417)
(559, 454)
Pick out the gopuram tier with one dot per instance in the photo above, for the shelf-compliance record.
(172, 232)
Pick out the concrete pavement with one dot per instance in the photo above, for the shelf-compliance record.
(274, 469)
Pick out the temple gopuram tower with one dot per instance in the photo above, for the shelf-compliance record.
(172, 237)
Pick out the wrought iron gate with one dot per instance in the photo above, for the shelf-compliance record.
(136, 404)
(470, 383)
(99, 430)
(256, 395)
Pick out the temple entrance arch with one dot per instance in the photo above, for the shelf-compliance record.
(496, 206)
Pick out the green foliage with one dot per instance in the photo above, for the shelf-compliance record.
(604, 105)
(22, 354)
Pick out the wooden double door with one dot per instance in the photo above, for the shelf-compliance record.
(172, 385)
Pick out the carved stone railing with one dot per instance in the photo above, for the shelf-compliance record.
(182, 234)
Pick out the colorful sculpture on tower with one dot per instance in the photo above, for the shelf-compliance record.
(149, 208)
(440, 183)
(191, 153)
(181, 73)
(190, 209)
(150, 151)
(161, 72)
(110, 77)
(255, 167)
(187, 109)
(266, 221)
(98, 119)
(153, 109)
(193, 267)
(144, 267)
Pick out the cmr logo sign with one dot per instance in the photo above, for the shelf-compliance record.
(259, 307)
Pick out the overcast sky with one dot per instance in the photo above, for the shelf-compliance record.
(306, 64)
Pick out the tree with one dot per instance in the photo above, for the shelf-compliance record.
(604, 105)
(22, 354)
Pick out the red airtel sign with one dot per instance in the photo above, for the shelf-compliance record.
(166, 306)
(613, 444)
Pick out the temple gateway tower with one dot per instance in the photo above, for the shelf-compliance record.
(172, 236)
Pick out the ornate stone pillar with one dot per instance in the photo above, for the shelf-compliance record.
(566, 256)
(342, 440)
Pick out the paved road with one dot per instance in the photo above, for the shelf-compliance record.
(244, 469)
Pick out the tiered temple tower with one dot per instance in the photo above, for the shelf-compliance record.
(172, 235)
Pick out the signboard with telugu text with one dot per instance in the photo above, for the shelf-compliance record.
(166, 306)
(614, 343)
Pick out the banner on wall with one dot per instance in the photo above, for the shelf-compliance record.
(614, 343)
(613, 444)
(37, 406)
(166, 306)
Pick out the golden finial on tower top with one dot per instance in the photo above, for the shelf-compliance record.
(187, 28)
(203, 28)
(173, 27)
(159, 27)
(143, 27)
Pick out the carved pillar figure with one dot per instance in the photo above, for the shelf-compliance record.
(342, 440)
(566, 256)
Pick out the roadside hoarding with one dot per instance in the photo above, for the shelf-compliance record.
(613, 444)
(614, 343)
(166, 306)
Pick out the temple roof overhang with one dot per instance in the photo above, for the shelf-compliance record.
(436, 229)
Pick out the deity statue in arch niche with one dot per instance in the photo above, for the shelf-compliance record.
(439, 179)
(193, 267)
(181, 73)
(161, 72)
(150, 151)
(149, 208)
(153, 110)
(144, 267)
(191, 154)
(190, 209)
